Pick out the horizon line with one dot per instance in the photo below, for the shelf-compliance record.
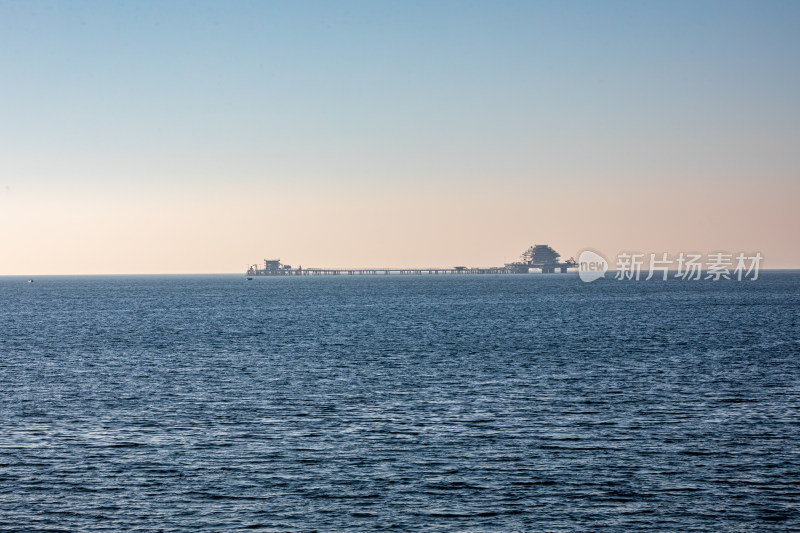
(100, 274)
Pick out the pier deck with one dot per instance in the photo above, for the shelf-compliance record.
(539, 257)
(373, 271)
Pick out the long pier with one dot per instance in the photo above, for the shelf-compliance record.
(540, 257)
(372, 271)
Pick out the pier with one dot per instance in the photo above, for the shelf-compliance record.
(539, 257)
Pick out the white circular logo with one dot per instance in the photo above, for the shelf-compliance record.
(591, 266)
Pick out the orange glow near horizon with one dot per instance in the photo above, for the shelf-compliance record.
(170, 230)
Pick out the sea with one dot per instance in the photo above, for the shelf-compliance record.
(403, 403)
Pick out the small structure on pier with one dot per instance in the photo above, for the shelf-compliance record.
(273, 267)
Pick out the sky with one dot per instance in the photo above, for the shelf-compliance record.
(201, 137)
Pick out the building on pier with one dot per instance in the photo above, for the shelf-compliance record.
(541, 256)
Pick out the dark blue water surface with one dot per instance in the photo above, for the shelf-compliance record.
(436, 403)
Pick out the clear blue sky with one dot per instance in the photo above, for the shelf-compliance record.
(102, 102)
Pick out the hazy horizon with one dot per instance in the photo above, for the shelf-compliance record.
(202, 137)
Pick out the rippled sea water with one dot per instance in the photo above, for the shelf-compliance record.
(432, 403)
